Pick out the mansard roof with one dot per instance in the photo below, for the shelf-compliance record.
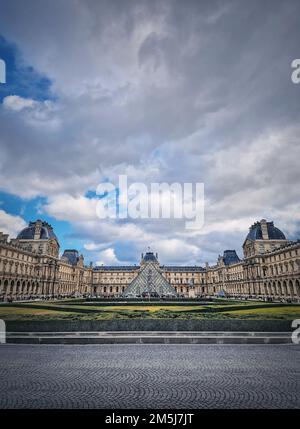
(255, 232)
(71, 256)
(149, 257)
(28, 232)
(230, 257)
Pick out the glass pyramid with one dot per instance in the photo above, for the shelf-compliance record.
(149, 282)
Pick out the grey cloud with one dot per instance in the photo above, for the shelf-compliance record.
(182, 82)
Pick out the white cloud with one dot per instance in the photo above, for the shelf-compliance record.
(73, 209)
(93, 246)
(178, 251)
(108, 257)
(10, 224)
(44, 115)
(16, 103)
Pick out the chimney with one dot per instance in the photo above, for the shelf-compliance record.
(3, 237)
(37, 230)
(264, 229)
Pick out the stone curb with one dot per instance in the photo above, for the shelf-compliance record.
(149, 337)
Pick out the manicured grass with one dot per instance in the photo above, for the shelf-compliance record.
(278, 313)
(70, 310)
(20, 313)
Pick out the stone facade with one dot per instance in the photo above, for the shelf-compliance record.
(30, 267)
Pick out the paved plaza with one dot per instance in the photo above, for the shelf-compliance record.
(149, 376)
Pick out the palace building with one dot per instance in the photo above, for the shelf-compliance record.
(30, 267)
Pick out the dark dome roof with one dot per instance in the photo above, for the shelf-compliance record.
(28, 232)
(149, 256)
(274, 233)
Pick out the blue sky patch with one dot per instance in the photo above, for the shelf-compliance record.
(22, 79)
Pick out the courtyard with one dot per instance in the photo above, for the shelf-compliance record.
(150, 376)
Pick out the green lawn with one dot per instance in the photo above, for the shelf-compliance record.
(80, 310)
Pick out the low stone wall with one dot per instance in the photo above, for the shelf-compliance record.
(151, 325)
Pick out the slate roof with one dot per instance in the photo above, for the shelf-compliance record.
(255, 232)
(28, 232)
(230, 257)
(71, 255)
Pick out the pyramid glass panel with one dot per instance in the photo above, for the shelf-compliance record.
(149, 282)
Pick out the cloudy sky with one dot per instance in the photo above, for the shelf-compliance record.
(162, 91)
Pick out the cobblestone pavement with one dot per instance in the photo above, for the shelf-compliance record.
(150, 376)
